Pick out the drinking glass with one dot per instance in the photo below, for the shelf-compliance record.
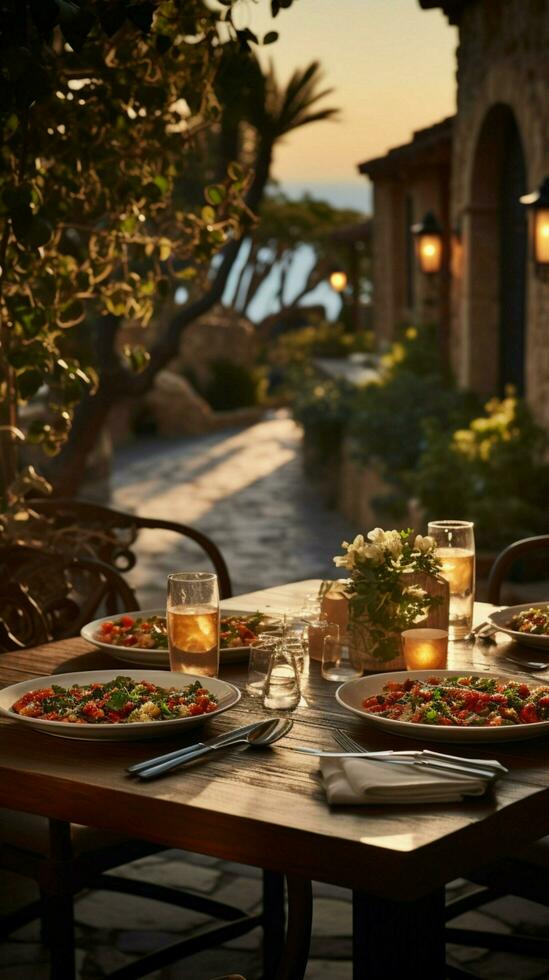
(261, 651)
(193, 623)
(282, 690)
(293, 639)
(456, 550)
(341, 659)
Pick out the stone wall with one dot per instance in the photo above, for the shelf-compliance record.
(502, 61)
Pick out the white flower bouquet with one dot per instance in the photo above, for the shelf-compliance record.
(381, 602)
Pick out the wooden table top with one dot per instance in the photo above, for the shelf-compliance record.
(267, 808)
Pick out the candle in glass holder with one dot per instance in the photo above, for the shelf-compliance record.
(335, 607)
(425, 649)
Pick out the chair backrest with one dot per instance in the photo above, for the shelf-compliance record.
(519, 549)
(109, 534)
(46, 596)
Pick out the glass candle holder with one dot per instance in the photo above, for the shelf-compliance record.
(425, 649)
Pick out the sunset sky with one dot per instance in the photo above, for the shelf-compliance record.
(392, 68)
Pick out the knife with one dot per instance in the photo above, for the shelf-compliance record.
(411, 758)
(225, 738)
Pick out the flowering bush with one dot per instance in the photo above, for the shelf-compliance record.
(381, 605)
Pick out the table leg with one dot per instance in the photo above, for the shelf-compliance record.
(396, 939)
(273, 922)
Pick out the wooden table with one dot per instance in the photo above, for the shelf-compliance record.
(269, 809)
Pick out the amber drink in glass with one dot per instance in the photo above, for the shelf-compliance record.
(456, 550)
(193, 623)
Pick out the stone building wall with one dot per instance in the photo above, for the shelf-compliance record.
(502, 59)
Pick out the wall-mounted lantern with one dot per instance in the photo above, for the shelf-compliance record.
(538, 205)
(338, 280)
(428, 238)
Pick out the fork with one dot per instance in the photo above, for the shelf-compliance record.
(426, 759)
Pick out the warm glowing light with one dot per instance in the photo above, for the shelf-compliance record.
(538, 207)
(338, 280)
(541, 235)
(425, 649)
(428, 238)
(429, 253)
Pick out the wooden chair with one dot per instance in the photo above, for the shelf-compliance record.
(524, 873)
(45, 596)
(524, 548)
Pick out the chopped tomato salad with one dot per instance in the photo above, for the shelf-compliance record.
(151, 633)
(534, 621)
(121, 701)
(461, 701)
(239, 631)
(135, 631)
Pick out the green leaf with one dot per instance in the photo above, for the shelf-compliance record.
(137, 357)
(208, 215)
(271, 37)
(215, 194)
(28, 383)
(165, 249)
(162, 183)
(235, 171)
(71, 314)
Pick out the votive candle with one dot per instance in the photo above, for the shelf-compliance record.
(425, 649)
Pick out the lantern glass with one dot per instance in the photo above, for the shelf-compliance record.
(429, 252)
(541, 235)
(338, 280)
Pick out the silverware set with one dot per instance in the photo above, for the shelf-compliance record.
(256, 735)
(481, 769)
(259, 734)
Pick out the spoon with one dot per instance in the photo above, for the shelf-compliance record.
(270, 731)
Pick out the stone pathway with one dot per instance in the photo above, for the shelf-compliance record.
(246, 490)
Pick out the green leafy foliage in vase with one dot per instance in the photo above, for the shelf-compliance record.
(381, 604)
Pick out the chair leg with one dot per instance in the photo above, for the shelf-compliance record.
(273, 921)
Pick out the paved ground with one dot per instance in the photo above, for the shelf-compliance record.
(246, 490)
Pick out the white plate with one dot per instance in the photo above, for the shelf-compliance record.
(502, 616)
(143, 657)
(351, 695)
(228, 696)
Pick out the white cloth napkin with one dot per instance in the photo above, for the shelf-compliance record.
(362, 781)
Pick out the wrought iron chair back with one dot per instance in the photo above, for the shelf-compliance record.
(46, 596)
(109, 535)
(524, 548)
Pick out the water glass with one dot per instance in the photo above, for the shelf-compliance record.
(293, 640)
(261, 651)
(282, 690)
(341, 659)
(456, 550)
(193, 623)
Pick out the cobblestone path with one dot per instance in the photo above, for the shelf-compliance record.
(246, 490)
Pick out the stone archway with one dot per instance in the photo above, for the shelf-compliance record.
(497, 252)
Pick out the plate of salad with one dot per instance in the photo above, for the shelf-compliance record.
(141, 636)
(449, 706)
(527, 624)
(108, 705)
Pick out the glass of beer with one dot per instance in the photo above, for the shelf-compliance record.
(456, 550)
(193, 623)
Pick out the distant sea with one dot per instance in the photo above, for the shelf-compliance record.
(355, 194)
(345, 194)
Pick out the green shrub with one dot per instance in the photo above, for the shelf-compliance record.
(390, 419)
(298, 347)
(321, 406)
(493, 472)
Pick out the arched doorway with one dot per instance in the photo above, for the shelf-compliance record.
(497, 246)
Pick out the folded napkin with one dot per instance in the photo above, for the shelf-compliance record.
(363, 781)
